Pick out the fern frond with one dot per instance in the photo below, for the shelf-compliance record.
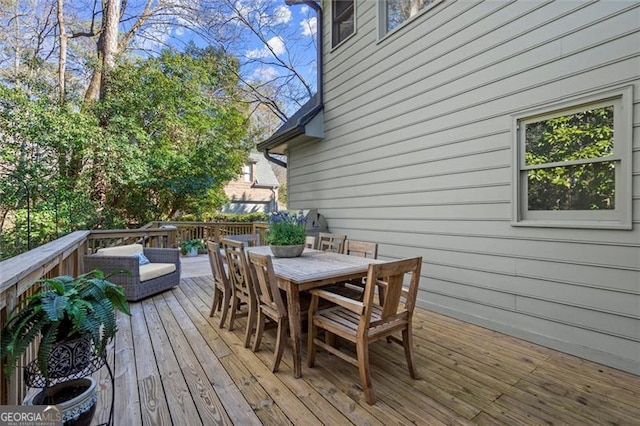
(44, 351)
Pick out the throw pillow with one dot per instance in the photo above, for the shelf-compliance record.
(142, 259)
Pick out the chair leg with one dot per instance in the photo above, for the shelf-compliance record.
(215, 305)
(235, 303)
(226, 301)
(251, 321)
(282, 336)
(311, 344)
(407, 342)
(362, 349)
(259, 330)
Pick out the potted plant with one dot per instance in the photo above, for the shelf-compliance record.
(74, 320)
(287, 233)
(191, 247)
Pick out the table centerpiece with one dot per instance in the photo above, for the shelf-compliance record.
(287, 233)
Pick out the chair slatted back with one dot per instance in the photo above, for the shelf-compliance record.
(331, 242)
(266, 281)
(239, 274)
(399, 301)
(217, 266)
(364, 249)
(310, 242)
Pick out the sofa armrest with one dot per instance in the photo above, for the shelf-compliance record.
(113, 265)
(162, 255)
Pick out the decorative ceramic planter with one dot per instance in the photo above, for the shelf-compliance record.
(287, 251)
(193, 251)
(76, 398)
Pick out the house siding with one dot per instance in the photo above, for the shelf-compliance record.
(417, 156)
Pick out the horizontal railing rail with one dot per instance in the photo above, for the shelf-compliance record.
(211, 231)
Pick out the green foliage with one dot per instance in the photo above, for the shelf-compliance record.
(286, 229)
(182, 113)
(187, 245)
(579, 136)
(226, 217)
(168, 135)
(63, 308)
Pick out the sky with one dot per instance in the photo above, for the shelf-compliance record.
(289, 33)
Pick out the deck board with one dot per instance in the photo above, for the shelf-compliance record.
(174, 365)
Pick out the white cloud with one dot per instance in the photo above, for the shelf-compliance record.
(282, 15)
(275, 43)
(265, 74)
(304, 9)
(309, 26)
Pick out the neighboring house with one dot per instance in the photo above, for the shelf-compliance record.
(255, 190)
(445, 136)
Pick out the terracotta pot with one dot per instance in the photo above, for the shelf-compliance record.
(287, 251)
(76, 398)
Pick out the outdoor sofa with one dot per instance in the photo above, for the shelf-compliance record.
(162, 271)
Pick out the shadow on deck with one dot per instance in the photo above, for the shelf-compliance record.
(173, 365)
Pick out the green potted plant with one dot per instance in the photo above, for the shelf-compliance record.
(287, 233)
(191, 247)
(74, 320)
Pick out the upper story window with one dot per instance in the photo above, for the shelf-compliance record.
(247, 173)
(394, 12)
(573, 163)
(342, 20)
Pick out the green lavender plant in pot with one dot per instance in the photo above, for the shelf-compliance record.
(287, 233)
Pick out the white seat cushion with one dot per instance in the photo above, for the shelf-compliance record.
(128, 250)
(154, 270)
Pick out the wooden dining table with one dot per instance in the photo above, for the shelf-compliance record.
(313, 269)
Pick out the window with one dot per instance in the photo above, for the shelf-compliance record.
(342, 20)
(573, 163)
(247, 173)
(394, 12)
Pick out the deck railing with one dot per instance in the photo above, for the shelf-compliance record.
(19, 275)
(213, 231)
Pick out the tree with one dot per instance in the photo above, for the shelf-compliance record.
(182, 115)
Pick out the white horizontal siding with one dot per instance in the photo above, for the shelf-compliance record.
(417, 156)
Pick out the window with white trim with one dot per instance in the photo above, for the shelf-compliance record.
(342, 20)
(393, 13)
(247, 172)
(573, 163)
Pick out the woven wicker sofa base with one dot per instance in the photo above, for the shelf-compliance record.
(137, 291)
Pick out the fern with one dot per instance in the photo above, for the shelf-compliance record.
(63, 308)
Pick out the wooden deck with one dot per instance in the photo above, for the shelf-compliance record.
(173, 365)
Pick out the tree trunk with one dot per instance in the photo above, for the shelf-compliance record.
(62, 62)
(107, 49)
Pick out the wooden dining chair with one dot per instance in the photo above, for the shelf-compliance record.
(242, 290)
(331, 242)
(366, 322)
(354, 289)
(249, 240)
(270, 304)
(310, 242)
(221, 286)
